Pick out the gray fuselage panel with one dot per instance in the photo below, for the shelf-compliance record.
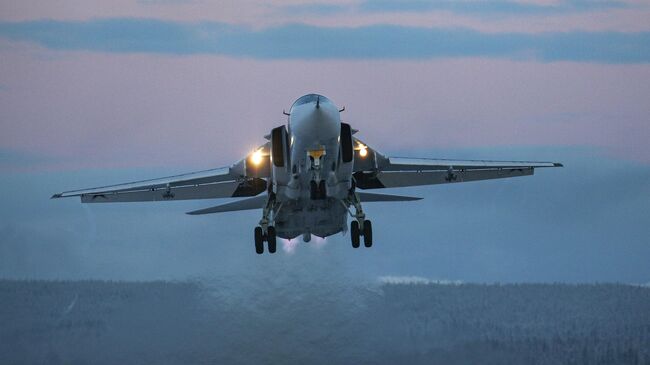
(314, 134)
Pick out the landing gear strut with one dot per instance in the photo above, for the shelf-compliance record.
(360, 226)
(265, 231)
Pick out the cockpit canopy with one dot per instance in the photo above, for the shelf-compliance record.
(310, 98)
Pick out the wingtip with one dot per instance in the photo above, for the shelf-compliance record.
(56, 196)
(557, 164)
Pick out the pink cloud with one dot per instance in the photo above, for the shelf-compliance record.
(107, 110)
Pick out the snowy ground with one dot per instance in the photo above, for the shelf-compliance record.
(299, 319)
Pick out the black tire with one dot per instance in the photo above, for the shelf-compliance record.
(355, 234)
(259, 241)
(367, 233)
(313, 190)
(271, 239)
(347, 150)
(322, 190)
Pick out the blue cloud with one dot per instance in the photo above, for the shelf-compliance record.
(313, 8)
(481, 7)
(297, 41)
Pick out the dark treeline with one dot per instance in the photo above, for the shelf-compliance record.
(526, 323)
(244, 321)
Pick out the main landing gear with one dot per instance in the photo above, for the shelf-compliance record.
(269, 237)
(360, 226)
(265, 231)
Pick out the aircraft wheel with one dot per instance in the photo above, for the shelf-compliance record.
(355, 233)
(271, 239)
(322, 190)
(367, 233)
(313, 190)
(259, 241)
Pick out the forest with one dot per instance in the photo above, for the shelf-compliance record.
(210, 321)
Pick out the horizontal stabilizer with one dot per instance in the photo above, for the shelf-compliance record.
(244, 204)
(372, 197)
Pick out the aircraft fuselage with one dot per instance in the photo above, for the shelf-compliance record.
(314, 145)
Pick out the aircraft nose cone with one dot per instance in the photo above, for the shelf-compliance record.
(316, 120)
(325, 118)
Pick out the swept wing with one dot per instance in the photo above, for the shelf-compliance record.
(243, 179)
(373, 170)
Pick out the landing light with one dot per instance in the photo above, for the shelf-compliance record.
(256, 158)
(363, 151)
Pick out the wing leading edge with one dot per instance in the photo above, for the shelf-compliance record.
(372, 170)
(243, 179)
(375, 171)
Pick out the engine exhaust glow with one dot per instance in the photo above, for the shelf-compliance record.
(290, 245)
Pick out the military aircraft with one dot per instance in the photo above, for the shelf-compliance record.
(311, 171)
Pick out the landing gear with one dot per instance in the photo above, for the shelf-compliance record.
(317, 191)
(367, 233)
(265, 231)
(322, 189)
(259, 240)
(360, 226)
(269, 237)
(355, 234)
(313, 190)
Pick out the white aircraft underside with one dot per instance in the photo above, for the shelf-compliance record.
(310, 172)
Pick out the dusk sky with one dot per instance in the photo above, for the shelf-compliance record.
(96, 92)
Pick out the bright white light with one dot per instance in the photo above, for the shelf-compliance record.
(257, 157)
(363, 151)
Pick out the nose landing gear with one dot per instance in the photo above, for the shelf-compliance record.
(317, 191)
(317, 186)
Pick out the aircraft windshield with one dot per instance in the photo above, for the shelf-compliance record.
(309, 98)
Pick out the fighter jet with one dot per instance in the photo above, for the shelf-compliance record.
(307, 178)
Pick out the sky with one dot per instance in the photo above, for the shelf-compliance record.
(96, 92)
